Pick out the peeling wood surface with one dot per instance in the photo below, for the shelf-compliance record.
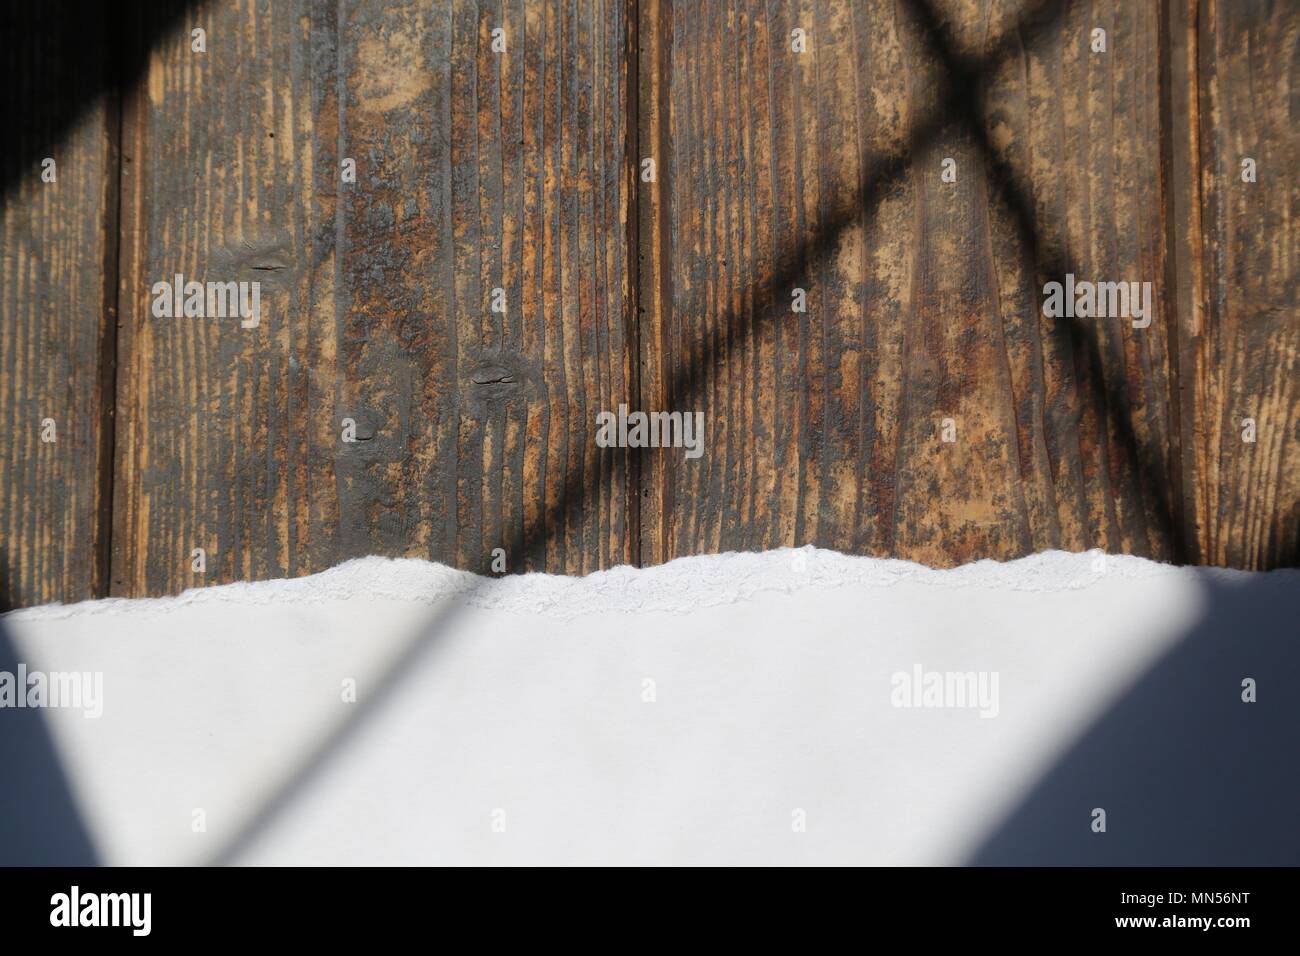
(518, 170)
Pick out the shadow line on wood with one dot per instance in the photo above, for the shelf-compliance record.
(683, 384)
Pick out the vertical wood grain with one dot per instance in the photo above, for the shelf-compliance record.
(475, 170)
(214, 169)
(655, 358)
(822, 171)
(1247, 495)
(479, 170)
(57, 244)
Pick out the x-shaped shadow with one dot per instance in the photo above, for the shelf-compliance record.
(959, 107)
(960, 110)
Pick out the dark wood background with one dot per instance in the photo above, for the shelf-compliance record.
(520, 170)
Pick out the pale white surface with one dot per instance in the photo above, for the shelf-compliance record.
(772, 683)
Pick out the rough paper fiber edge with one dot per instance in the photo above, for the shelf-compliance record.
(682, 585)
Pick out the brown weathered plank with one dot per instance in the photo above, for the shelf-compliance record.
(57, 243)
(822, 171)
(652, 239)
(475, 170)
(1247, 494)
(479, 170)
(1184, 273)
(1105, 450)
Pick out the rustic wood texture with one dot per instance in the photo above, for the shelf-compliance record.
(519, 170)
(475, 170)
(653, 241)
(57, 241)
(822, 171)
(1247, 495)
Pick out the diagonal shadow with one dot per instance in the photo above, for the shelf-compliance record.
(1187, 772)
(959, 102)
(968, 82)
(40, 824)
(62, 59)
(960, 106)
(963, 89)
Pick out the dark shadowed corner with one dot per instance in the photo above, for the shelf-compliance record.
(39, 821)
(1188, 773)
(57, 65)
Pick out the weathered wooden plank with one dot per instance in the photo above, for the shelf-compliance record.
(57, 246)
(1097, 421)
(1184, 273)
(475, 170)
(480, 170)
(822, 171)
(652, 241)
(1247, 493)
(1091, 154)
(213, 165)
